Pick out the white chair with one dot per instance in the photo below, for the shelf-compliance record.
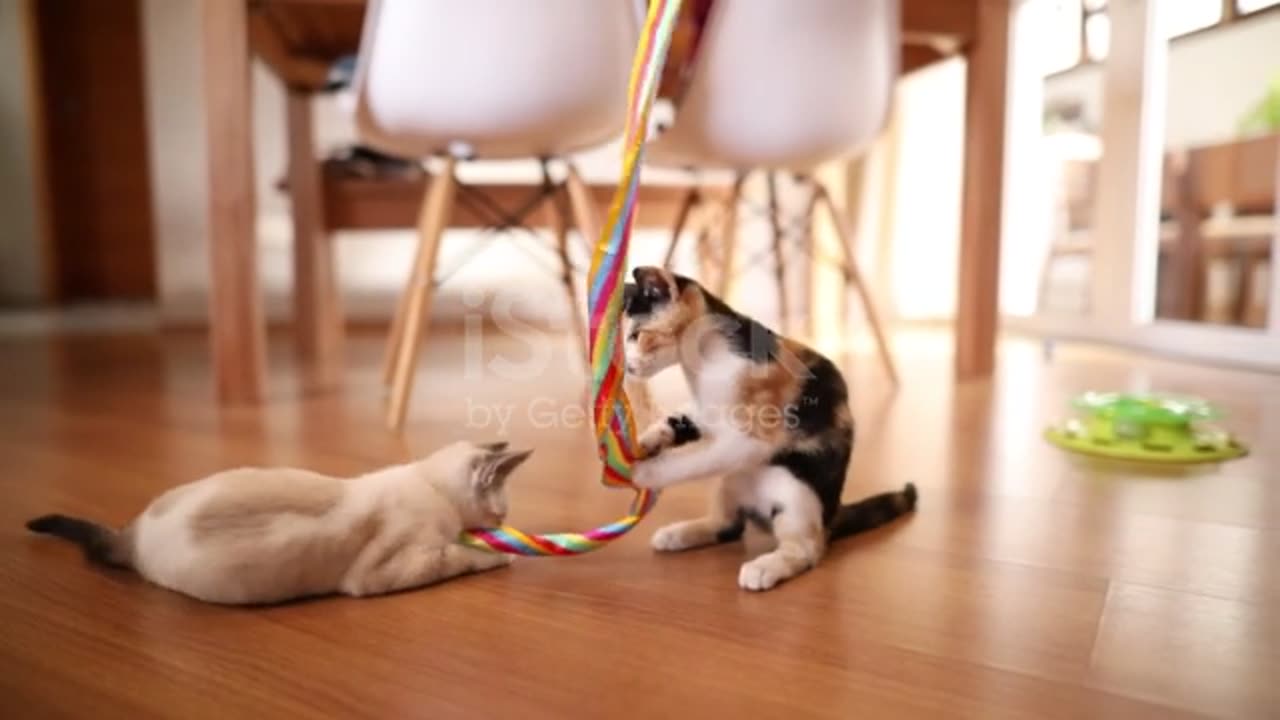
(488, 79)
(785, 87)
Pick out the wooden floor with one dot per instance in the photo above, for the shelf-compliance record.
(1027, 585)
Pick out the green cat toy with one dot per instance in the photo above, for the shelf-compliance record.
(1146, 428)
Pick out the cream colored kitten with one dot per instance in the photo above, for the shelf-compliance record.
(256, 535)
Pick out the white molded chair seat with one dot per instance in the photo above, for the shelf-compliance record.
(490, 80)
(504, 79)
(785, 85)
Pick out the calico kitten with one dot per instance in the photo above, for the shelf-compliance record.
(256, 535)
(771, 417)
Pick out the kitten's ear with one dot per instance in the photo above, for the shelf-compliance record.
(496, 467)
(654, 287)
(655, 284)
(493, 447)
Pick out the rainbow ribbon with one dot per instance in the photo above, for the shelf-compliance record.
(614, 422)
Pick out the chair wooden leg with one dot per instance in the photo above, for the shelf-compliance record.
(558, 208)
(1046, 274)
(397, 320)
(585, 214)
(586, 217)
(811, 271)
(1246, 310)
(707, 239)
(854, 277)
(396, 335)
(317, 302)
(708, 219)
(431, 224)
(690, 201)
(729, 239)
(779, 257)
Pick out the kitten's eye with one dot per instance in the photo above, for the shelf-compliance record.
(634, 336)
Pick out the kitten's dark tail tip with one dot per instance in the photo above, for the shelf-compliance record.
(873, 512)
(100, 544)
(909, 497)
(45, 524)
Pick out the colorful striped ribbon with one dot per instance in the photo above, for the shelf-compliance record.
(614, 422)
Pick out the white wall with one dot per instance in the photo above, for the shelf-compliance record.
(21, 259)
(926, 228)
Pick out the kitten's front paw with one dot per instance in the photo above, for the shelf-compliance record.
(760, 574)
(656, 438)
(495, 560)
(669, 538)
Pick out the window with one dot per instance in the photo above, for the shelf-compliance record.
(1079, 31)
(1062, 49)
(1097, 35)
(1248, 6)
(1191, 15)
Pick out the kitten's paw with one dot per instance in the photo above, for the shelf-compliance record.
(493, 561)
(760, 574)
(673, 538)
(656, 438)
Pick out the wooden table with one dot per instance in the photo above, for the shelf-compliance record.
(932, 30)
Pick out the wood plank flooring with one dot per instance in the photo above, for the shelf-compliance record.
(1029, 585)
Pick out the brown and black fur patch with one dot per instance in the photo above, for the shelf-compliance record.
(820, 439)
(683, 430)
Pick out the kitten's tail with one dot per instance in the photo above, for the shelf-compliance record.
(100, 544)
(872, 512)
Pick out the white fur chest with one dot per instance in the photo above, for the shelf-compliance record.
(716, 389)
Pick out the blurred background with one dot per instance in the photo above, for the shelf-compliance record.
(104, 174)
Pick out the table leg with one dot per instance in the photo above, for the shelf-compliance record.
(317, 302)
(986, 101)
(236, 329)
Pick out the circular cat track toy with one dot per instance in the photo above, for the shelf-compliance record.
(614, 423)
(1146, 428)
